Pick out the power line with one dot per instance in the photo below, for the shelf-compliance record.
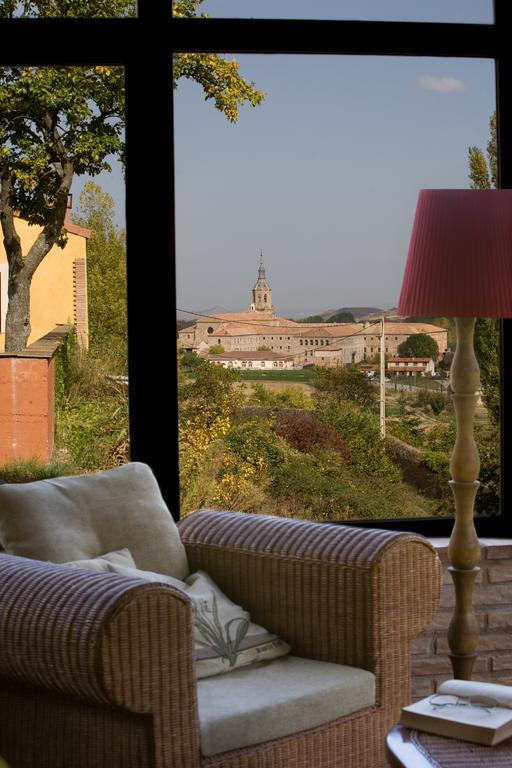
(273, 327)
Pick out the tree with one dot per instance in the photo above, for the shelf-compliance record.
(217, 349)
(482, 170)
(419, 345)
(218, 76)
(487, 347)
(56, 123)
(483, 175)
(312, 319)
(347, 382)
(106, 271)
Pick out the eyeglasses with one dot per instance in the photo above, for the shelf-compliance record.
(449, 700)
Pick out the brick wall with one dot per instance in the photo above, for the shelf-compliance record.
(27, 399)
(493, 604)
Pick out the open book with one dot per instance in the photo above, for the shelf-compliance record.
(479, 723)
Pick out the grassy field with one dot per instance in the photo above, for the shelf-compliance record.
(303, 375)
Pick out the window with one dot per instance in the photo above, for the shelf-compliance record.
(153, 417)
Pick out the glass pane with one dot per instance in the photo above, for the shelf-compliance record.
(64, 351)
(293, 227)
(449, 11)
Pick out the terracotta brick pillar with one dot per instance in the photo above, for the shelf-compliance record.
(27, 400)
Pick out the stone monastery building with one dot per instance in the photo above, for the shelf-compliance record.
(326, 344)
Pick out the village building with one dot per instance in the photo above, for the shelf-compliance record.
(326, 344)
(410, 366)
(259, 360)
(58, 292)
(397, 332)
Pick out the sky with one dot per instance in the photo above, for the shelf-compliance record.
(322, 177)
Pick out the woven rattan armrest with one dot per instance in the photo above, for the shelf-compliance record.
(337, 593)
(101, 638)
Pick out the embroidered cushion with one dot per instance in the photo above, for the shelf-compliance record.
(225, 637)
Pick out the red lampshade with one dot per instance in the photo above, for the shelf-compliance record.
(460, 255)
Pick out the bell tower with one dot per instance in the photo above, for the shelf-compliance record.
(262, 292)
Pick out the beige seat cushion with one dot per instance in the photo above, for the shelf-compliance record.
(77, 518)
(277, 698)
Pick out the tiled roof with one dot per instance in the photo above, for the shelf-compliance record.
(251, 316)
(408, 328)
(331, 330)
(247, 329)
(409, 359)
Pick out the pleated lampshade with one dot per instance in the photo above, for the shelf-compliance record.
(460, 255)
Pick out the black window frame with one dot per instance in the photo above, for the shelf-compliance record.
(150, 225)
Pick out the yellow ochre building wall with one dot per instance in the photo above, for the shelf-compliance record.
(59, 287)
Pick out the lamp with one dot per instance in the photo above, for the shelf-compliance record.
(460, 265)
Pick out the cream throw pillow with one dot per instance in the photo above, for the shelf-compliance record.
(122, 557)
(77, 518)
(225, 638)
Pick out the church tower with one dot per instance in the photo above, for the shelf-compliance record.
(262, 292)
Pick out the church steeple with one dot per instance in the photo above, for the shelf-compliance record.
(262, 292)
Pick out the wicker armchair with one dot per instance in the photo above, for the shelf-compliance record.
(97, 671)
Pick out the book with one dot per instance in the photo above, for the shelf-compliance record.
(473, 722)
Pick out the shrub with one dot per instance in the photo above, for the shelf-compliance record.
(91, 410)
(288, 397)
(27, 470)
(305, 433)
(254, 443)
(434, 401)
(317, 488)
(436, 461)
(359, 428)
(347, 382)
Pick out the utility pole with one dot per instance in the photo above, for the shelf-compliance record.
(382, 382)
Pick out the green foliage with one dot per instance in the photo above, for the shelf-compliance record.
(254, 443)
(483, 175)
(487, 350)
(211, 394)
(217, 349)
(483, 171)
(430, 400)
(359, 428)
(487, 500)
(264, 348)
(346, 382)
(106, 277)
(436, 461)
(342, 317)
(306, 434)
(189, 361)
(71, 8)
(58, 122)
(288, 397)
(92, 411)
(419, 345)
(218, 76)
(313, 319)
(317, 488)
(54, 123)
(27, 470)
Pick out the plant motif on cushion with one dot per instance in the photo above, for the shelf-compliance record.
(212, 634)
